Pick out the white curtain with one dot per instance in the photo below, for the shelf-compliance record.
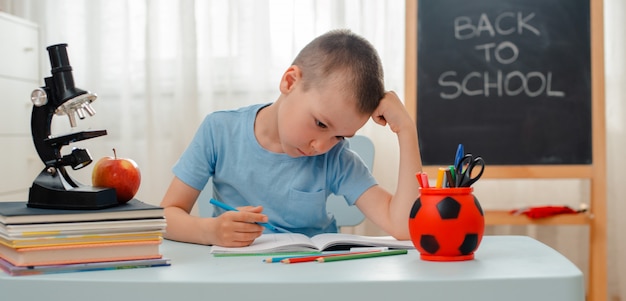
(615, 83)
(159, 66)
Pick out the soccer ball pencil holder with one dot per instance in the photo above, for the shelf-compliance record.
(446, 224)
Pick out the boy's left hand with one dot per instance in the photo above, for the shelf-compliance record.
(391, 111)
(392, 215)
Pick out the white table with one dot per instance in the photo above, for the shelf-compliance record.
(512, 268)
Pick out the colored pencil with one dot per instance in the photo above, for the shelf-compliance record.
(316, 257)
(315, 254)
(279, 258)
(359, 256)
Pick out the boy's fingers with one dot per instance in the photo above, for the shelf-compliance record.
(250, 217)
(379, 119)
(256, 209)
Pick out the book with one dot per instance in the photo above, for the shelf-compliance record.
(19, 213)
(54, 255)
(296, 242)
(12, 270)
(58, 240)
(116, 226)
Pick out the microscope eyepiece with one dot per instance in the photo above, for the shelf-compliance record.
(59, 60)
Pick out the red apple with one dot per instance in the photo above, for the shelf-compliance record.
(119, 173)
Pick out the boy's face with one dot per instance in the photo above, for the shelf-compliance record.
(312, 122)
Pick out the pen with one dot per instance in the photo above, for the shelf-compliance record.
(460, 152)
(229, 208)
(359, 256)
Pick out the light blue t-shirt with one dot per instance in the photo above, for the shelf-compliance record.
(292, 191)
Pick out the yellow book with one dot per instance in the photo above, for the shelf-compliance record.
(62, 240)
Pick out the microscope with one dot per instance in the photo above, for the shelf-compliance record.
(54, 188)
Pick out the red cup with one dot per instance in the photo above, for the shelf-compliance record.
(446, 224)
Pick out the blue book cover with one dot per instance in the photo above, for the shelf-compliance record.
(81, 267)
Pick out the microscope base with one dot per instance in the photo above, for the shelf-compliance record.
(79, 198)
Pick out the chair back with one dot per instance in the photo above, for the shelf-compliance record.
(345, 215)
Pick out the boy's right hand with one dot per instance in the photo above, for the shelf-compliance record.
(238, 229)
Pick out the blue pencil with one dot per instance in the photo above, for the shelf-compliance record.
(229, 208)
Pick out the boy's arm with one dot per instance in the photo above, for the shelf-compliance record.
(391, 211)
(232, 229)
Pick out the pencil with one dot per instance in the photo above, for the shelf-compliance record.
(317, 257)
(303, 254)
(229, 208)
(359, 256)
(279, 258)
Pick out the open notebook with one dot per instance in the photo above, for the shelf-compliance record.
(295, 242)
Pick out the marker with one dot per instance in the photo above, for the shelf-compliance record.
(424, 177)
(449, 177)
(419, 178)
(452, 171)
(440, 176)
(359, 256)
(229, 208)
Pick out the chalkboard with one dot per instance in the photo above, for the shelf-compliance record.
(510, 79)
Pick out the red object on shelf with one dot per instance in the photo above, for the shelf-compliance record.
(544, 211)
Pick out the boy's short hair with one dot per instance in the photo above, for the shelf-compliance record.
(350, 54)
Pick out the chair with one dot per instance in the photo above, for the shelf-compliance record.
(345, 215)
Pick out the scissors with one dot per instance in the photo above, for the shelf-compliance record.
(464, 169)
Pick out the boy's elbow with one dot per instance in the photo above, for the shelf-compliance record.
(399, 231)
(401, 235)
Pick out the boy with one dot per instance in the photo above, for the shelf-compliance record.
(278, 162)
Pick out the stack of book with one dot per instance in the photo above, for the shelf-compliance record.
(40, 241)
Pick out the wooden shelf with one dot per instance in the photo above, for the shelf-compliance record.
(502, 217)
(529, 172)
